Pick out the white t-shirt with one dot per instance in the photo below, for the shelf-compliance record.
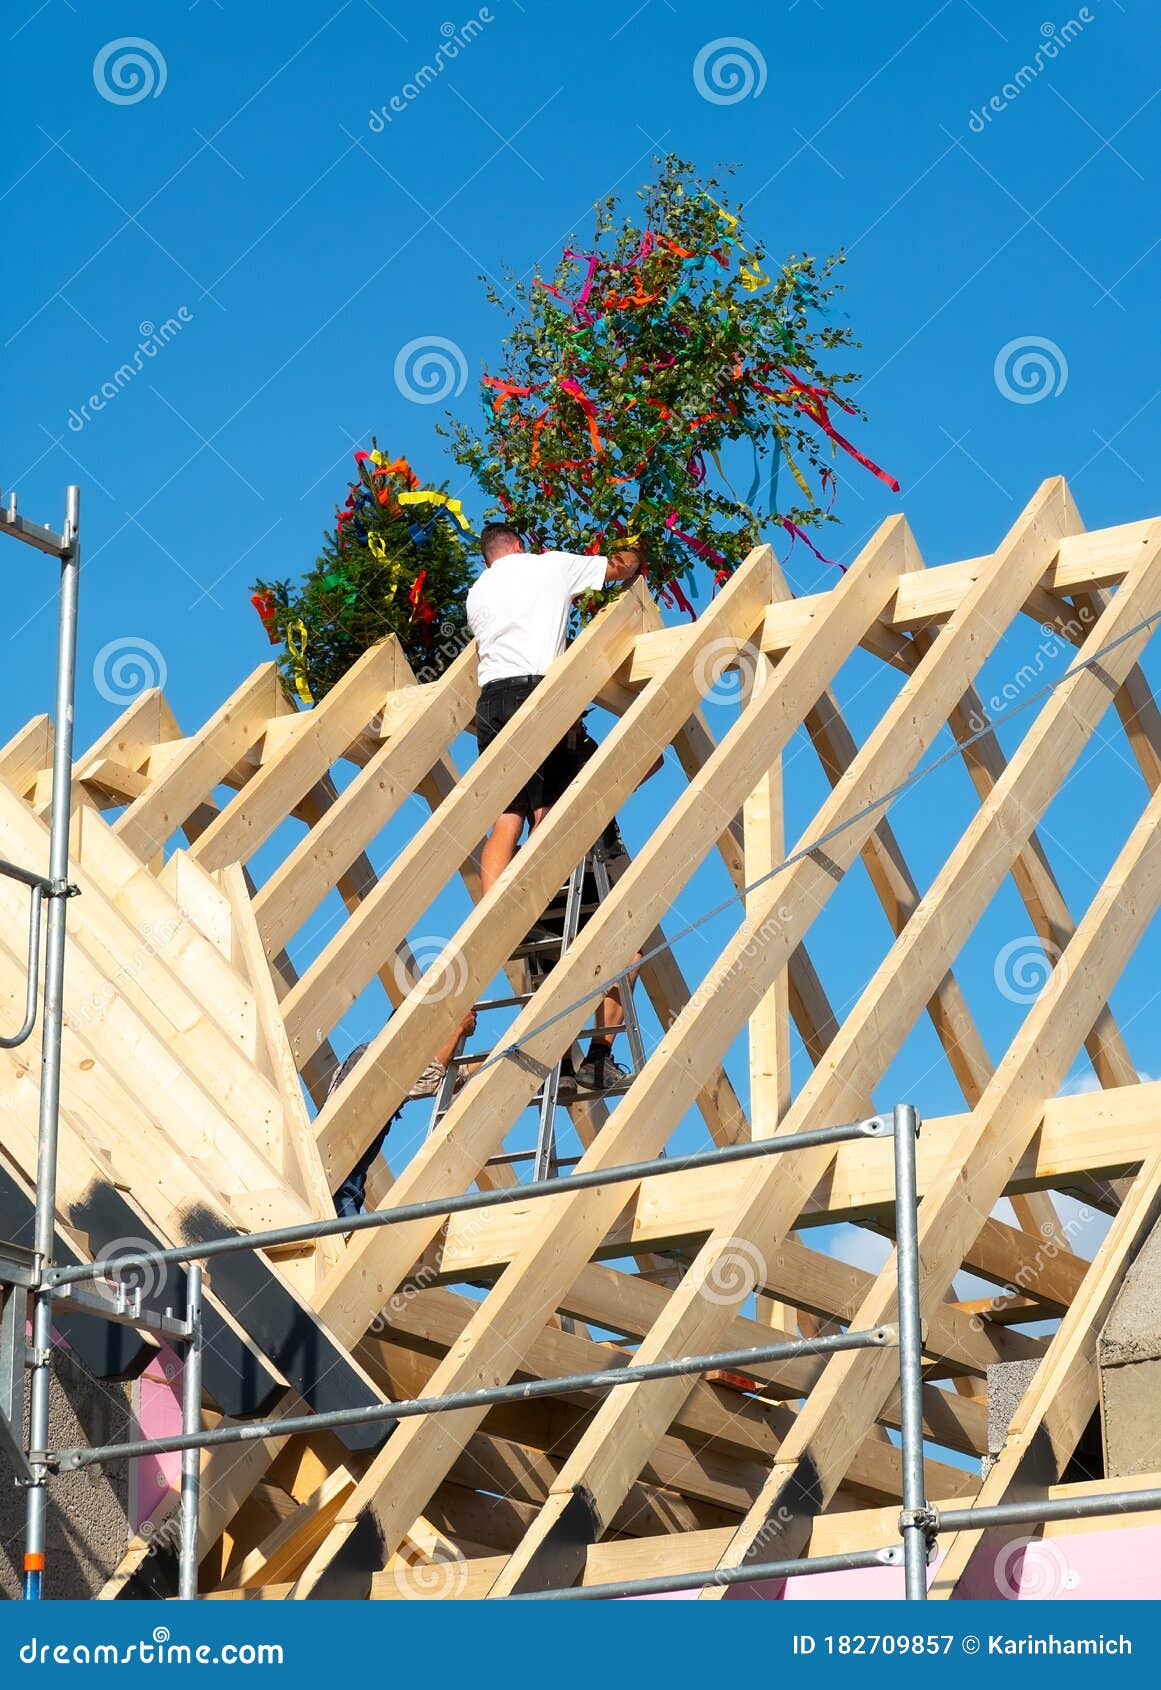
(518, 609)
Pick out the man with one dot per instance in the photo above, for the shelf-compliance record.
(351, 1197)
(518, 611)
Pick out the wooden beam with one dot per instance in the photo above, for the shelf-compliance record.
(530, 1290)
(680, 1210)
(191, 776)
(316, 743)
(1001, 1126)
(623, 1428)
(1080, 562)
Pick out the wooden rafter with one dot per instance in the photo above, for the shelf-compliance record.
(194, 1044)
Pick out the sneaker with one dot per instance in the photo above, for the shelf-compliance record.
(431, 1079)
(601, 1073)
(539, 934)
(612, 842)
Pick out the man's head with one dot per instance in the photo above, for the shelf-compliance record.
(498, 540)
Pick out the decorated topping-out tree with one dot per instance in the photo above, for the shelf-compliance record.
(672, 381)
(399, 561)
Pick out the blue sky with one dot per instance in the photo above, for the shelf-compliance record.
(251, 198)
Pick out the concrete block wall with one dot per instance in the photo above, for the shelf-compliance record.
(88, 1512)
(1129, 1359)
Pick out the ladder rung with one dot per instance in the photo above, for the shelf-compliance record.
(527, 1156)
(534, 947)
(483, 1055)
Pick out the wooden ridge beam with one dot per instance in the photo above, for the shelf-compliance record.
(1082, 561)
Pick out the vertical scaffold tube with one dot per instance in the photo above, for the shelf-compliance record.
(191, 1422)
(906, 1125)
(40, 1372)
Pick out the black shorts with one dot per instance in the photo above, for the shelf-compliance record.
(543, 785)
(498, 703)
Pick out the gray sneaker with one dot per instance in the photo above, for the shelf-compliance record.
(601, 1073)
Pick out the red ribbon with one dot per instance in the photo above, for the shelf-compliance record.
(796, 533)
(420, 609)
(588, 407)
(697, 546)
(671, 591)
(592, 259)
(265, 606)
(814, 406)
(506, 390)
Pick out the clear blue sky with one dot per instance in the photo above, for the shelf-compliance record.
(250, 199)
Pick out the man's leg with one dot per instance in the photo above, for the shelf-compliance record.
(500, 847)
(350, 1198)
(599, 1069)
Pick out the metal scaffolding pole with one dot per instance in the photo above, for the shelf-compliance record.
(191, 1422)
(910, 1354)
(746, 1574)
(624, 1173)
(251, 1431)
(58, 890)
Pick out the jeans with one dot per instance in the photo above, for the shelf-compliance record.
(350, 1198)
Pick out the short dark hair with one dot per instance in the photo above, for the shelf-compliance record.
(493, 534)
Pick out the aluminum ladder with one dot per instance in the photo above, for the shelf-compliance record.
(581, 895)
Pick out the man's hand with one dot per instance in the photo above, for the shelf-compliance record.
(625, 566)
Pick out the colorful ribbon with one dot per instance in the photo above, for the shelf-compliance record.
(264, 604)
(430, 496)
(394, 568)
(298, 658)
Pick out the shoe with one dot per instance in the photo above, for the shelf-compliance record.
(614, 845)
(601, 1073)
(539, 934)
(431, 1079)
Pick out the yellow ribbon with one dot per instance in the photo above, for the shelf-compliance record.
(727, 217)
(454, 507)
(750, 271)
(394, 568)
(794, 469)
(378, 459)
(298, 658)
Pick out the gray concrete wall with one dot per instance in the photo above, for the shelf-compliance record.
(88, 1512)
(1129, 1358)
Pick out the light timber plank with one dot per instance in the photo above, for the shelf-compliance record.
(622, 1428)
(295, 889)
(280, 783)
(1081, 562)
(519, 1302)
(191, 775)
